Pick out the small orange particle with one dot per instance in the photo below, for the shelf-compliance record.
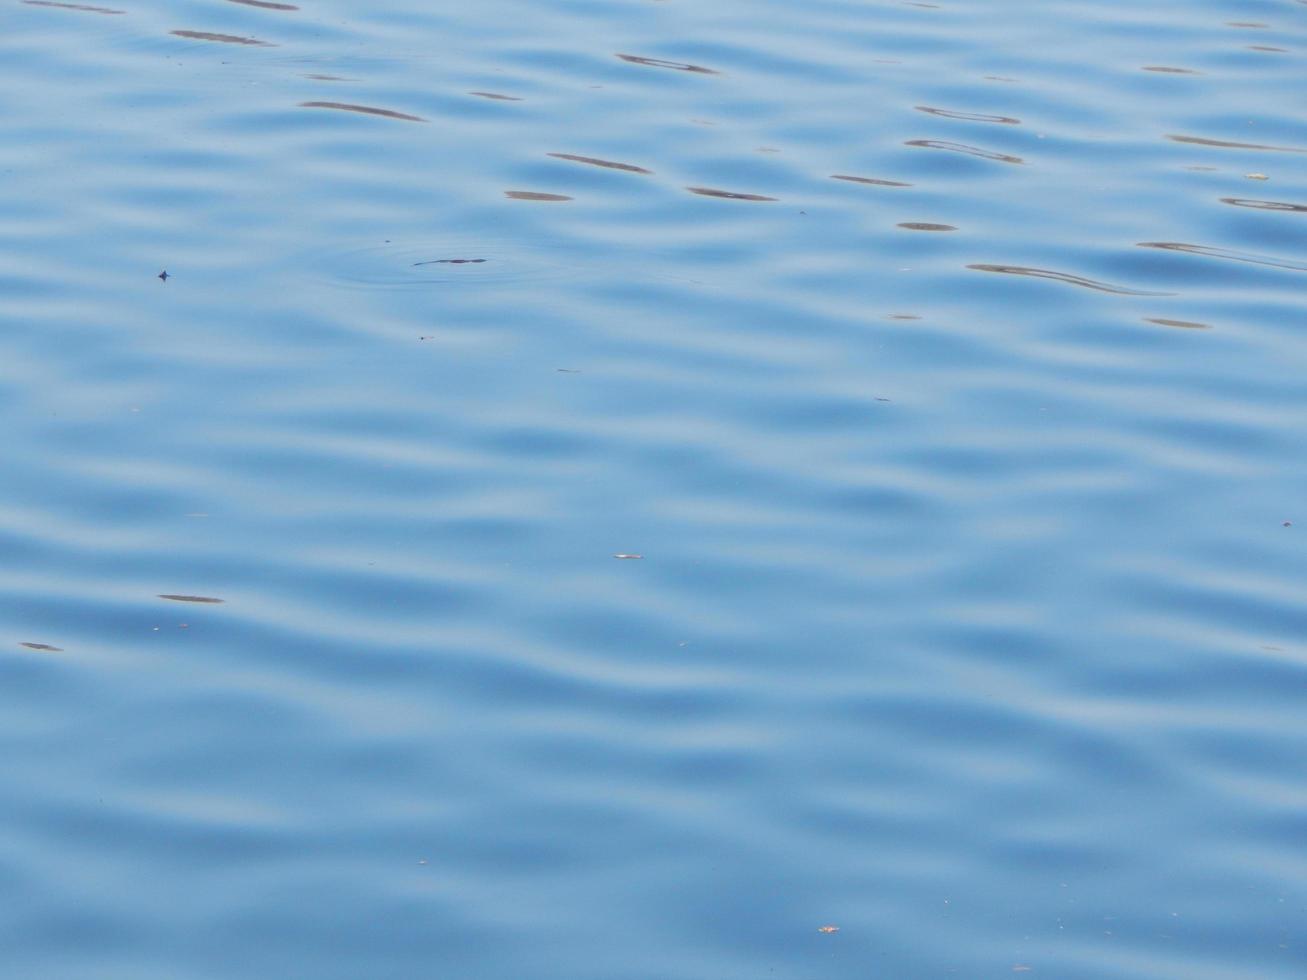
(829, 929)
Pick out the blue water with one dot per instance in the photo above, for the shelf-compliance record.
(968, 490)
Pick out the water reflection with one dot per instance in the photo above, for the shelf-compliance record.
(1228, 254)
(72, 6)
(265, 4)
(878, 181)
(596, 162)
(969, 116)
(1231, 144)
(222, 38)
(660, 63)
(974, 151)
(730, 195)
(365, 109)
(1244, 202)
(1102, 287)
(1183, 324)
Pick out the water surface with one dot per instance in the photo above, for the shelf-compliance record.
(653, 490)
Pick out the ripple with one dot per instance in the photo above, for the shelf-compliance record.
(1183, 324)
(72, 6)
(596, 162)
(497, 96)
(364, 109)
(969, 116)
(43, 647)
(398, 265)
(1231, 144)
(536, 196)
(202, 599)
(1102, 287)
(661, 63)
(1169, 70)
(925, 226)
(1245, 202)
(223, 38)
(729, 195)
(1229, 255)
(974, 151)
(265, 4)
(878, 181)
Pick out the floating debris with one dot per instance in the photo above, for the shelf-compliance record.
(626, 557)
(828, 930)
(1257, 176)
